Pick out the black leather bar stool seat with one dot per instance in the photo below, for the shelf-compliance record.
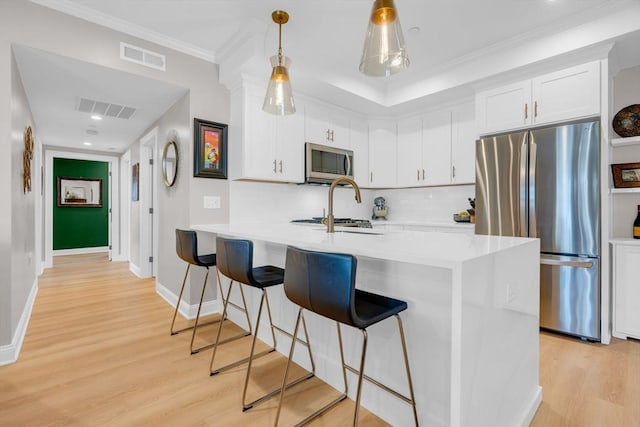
(187, 250)
(324, 283)
(235, 260)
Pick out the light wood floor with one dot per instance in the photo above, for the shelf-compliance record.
(98, 352)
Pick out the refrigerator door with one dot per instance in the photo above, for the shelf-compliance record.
(564, 192)
(501, 185)
(570, 295)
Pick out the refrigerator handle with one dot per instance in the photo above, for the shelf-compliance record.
(533, 227)
(562, 263)
(523, 189)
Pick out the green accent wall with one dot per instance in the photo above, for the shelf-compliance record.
(80, 227)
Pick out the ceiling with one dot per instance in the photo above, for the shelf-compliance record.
(324, 39)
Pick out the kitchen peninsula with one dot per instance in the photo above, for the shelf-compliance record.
(471, 324)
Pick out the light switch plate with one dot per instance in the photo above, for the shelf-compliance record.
(211, 202)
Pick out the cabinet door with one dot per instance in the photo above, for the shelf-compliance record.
(626, 291)
(259, 137)
(410, 170)
(436, 147)
(567, 94)
(290, 148)
(326, 126)
(359, 137)
(382, 153)
(504, 108)
(463, 145)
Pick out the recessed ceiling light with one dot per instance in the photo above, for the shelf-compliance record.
(86, 143)
(413, 30)
(96, 117)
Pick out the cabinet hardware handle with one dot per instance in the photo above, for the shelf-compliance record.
(418, 177)
(371, 178)
(331, 135)
(535, 109)
(423, 174)
(328, 138)
(526, 111)
(454, 171)
(274, 166)
(280, 166)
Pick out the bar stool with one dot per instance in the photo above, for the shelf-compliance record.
(324, 283)
(235, 260)
(187, 250)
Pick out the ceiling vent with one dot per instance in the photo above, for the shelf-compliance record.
(102, 108)
(142, 56)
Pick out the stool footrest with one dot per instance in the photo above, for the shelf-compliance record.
(188, 328)
(276, 391)
(241, 361)
(322, 410)
(379, 384)
(233, 338)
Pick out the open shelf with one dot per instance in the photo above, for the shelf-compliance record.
(624, 190)
(619, 142)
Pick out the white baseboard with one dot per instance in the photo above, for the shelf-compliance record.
(135, 269)
(533, 408)
(9, 353)
(77, 251)
(186, 310)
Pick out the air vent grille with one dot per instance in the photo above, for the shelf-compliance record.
(142, 56)
(102, 108)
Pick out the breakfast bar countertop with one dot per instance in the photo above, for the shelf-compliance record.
(436, 249)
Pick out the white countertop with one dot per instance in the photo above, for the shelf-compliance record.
(447, 250)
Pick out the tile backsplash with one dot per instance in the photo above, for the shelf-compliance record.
(273, 202)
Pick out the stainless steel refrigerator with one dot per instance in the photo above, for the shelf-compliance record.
(545, 183)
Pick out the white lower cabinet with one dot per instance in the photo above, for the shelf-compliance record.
(626, 288)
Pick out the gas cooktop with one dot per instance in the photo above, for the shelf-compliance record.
(342, 222)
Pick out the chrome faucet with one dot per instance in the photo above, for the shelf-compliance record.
(334, 183)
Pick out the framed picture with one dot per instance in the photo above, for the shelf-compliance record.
(626, 175)
(79, 192)
(135, 182)
(210, 150)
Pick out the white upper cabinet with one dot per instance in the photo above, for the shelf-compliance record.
(567, 94)
(270, 147)
(463, 144)
(382, 153)
(410, 170)
(563, 95)
(327, 126)
(359, 137)
(436, 147)
(504, 108)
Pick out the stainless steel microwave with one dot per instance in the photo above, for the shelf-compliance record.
(323, 164)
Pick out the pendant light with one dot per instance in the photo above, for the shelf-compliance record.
(279, 97)
(384, 50)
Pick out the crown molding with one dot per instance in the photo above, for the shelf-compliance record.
(122, 26)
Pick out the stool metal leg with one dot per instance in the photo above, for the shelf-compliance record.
(286, 372)
(233, 338)
(175, 312)
(406, 364)
(247, 406)
(195, 326)
(359, 389)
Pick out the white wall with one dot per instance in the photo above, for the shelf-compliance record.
(25, 23)
(626, 92)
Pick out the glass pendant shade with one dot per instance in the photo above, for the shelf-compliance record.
(384, 50)
(279, 96)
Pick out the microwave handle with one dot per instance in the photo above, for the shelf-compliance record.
(348, 162)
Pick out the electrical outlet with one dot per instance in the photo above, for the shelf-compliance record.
(211, 202)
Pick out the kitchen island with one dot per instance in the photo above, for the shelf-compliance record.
(471, 324)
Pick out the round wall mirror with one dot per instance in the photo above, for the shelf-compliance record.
(170, 163)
